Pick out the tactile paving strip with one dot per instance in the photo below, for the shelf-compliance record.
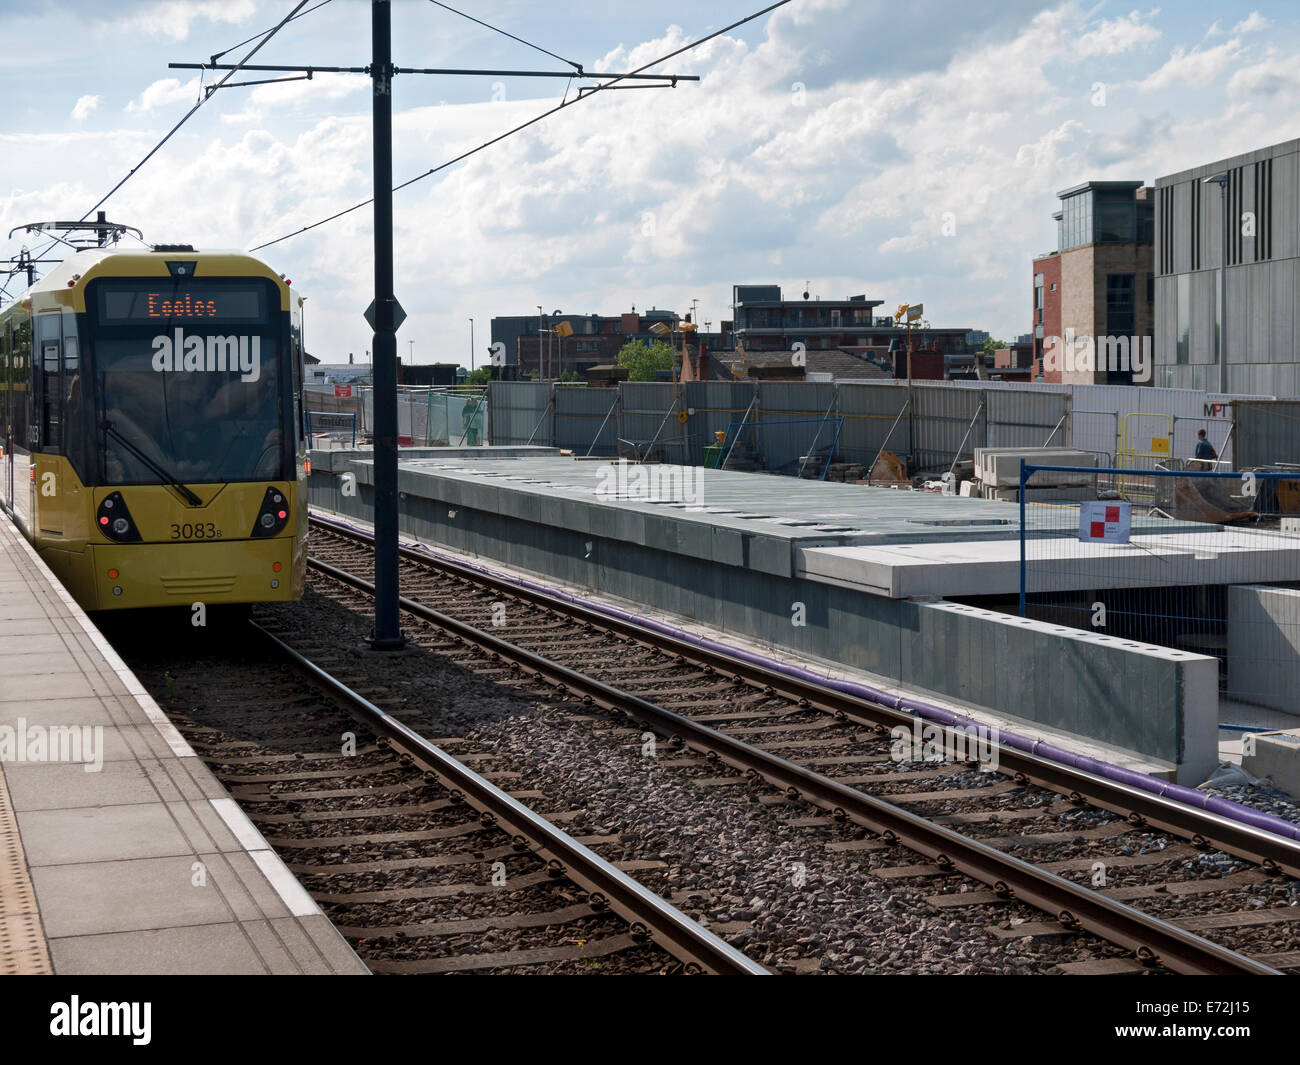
(22, 943)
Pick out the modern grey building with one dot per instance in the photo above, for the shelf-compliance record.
(1260, 192)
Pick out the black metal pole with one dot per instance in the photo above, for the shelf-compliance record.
(387, 634)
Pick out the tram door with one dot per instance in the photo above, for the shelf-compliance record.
(46, 430)
(7, 412)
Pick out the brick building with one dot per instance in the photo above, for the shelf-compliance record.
(533, 344)
(1015, 362)
(763, 320)
(1094, 295)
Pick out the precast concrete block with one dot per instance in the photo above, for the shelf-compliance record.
(728, 547)
(770, 554)
(1275, 756)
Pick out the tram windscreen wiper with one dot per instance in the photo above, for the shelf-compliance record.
(167, 477)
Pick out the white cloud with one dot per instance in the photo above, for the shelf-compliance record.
(165, 91)
(1252, 23)
(173, 19)
(84, 106)
(1272, 76)
(1118, 35)
(1196, 67)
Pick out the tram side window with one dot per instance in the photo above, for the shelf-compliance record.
(7, 379)
(49, 344)
(21, 381)
(74, 414)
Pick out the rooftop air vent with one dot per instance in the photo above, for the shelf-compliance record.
(173, 247)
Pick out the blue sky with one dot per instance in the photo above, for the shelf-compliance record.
(846, 144)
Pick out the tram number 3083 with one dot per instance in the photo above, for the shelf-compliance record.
(197, 531)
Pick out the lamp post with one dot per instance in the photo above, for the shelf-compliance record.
(1222, 339)
(541, 326)
(471, 345)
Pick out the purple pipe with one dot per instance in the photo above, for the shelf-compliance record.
(1176, 792)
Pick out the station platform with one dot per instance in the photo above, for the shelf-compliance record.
(120, 853)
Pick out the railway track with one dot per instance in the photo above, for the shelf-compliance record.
(424, 865)
(1180, 889)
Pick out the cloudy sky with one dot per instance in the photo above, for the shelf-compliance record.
(911, 152)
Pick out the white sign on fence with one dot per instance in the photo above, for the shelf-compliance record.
(1104, 523)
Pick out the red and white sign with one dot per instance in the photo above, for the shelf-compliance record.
(1104, 523)
(343, 391)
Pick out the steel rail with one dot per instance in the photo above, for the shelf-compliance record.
(646, 912)
(1077, 908)
(1201, 827)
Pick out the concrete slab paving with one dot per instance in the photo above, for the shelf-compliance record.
(134, 857)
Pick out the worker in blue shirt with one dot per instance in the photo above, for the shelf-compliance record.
(1204, 449)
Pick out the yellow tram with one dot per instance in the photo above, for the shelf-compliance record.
(153, 431)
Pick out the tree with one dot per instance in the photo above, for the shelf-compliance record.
(479, 376)
(991, 346)
(643, 360)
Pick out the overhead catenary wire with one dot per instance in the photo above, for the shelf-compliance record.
(524, 125)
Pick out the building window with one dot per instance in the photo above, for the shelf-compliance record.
(1053, 286)
(1263, 210)
(1184, 314)
(1146, 222)
(1195, 200)
(1119, 305)
(1166, 197)
(1116, 216)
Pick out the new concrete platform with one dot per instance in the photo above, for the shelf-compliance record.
(897, 544)
(120, 853)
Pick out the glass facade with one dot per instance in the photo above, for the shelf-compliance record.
(1076, 220)
(1104, 216)
(1116, 216)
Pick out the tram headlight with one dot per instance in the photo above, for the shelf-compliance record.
(272, 515)
(115, 521)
